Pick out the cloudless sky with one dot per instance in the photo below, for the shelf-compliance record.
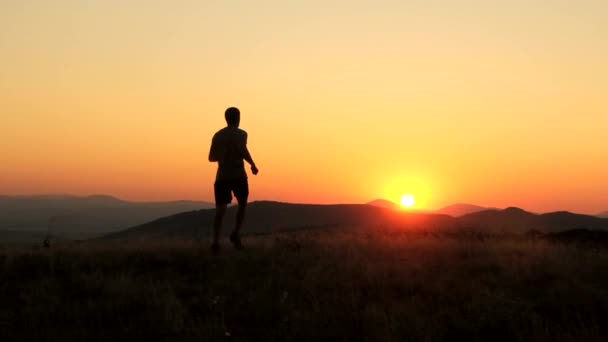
(495, 103)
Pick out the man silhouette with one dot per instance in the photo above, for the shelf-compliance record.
(229, 149)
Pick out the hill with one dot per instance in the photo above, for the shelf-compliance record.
(516, 220)
(269, 217)
(603, 215)
(461, 209)
(455, 210)
(382, 203)
(79, 217)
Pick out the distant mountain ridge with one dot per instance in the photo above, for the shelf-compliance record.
(82, 216)
(456, 210)
(461, 209)
(384, 204)
(603, 215)
(515, 219)
(269, 217)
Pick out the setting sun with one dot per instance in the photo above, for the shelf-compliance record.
(407, 200)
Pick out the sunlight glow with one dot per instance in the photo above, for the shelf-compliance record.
(123, 98)
(408, 200)
(400, 185)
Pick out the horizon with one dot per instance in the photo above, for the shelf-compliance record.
(369, 202)
(487, 102)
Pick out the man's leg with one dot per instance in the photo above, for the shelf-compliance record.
(241, 192)
(220, 210)
(222, 198)
(240, 217)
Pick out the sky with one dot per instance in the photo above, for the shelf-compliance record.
(497, 103)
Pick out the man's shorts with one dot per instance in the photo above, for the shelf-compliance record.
(224, 188)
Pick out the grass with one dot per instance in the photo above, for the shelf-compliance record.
(306, 286)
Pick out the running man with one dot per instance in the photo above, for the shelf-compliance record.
(229, 149)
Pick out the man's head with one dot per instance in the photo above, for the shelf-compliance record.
(233, 116)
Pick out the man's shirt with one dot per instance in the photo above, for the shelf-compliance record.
(228, 148)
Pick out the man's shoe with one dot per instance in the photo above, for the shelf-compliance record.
(236, 241)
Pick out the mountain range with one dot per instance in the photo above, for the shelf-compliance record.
(269, 217)
(30, 218)
(80, 217)
(382, 203)
(458, 209)
(461, 209)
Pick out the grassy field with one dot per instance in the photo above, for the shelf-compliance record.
(306, 286)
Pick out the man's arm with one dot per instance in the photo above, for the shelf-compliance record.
(213, 151)
(247, 157)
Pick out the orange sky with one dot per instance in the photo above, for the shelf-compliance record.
(495, 103)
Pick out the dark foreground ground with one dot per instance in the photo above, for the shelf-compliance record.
(309, 286)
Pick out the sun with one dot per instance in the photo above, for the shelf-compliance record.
(408, 200)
